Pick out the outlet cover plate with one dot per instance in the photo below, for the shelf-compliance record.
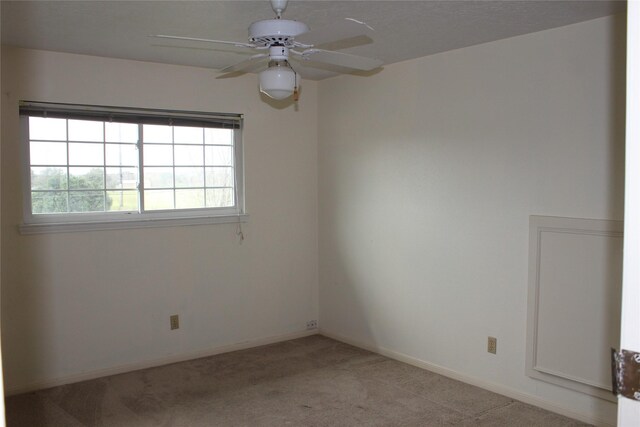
(492, 345)
(174, 320)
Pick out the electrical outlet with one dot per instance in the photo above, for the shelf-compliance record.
(312, 324)
(492, 345)
(174, 320)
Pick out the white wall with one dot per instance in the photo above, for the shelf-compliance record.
(76, 303)
(428, 172)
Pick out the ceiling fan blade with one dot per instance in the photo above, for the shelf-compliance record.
(195, 39)
(344, 29)
(341, 59)
(248, 65)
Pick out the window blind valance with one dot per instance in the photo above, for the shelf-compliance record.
(131, 115)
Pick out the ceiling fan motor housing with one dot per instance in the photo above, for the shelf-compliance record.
(270, 32)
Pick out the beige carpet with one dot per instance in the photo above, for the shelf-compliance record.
(313, 381)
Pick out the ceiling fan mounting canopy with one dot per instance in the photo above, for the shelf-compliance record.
(279, 6)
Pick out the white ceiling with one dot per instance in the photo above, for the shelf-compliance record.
(404, 29)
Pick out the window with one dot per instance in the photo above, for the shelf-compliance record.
(91, 164)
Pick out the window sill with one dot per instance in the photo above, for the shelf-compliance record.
(43, 228)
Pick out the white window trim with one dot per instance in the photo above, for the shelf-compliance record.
(123, 224)
(93, 221)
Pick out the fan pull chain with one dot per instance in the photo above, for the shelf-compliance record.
(239, 232)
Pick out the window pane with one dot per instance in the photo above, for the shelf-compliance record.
(86, 201)
(49, 202)
(158, 155)
(219, 197)
(122, 178)
(158, 177)
(158, 199)
(86, 154)
(48, 153)
(189, 199)
(219, 177)
(86, 178)
(157, 133)
(188, 155)
(121, 132)
(218, 136)
(47, 129)
(187, 135)
(77, 165)
(85, 130)
(122, 200)
(48, 178)
(189, 177)
(218, 156)
(121, 155)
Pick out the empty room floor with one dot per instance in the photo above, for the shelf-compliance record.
(312, 381)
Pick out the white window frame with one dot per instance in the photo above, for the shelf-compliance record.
(86, 221)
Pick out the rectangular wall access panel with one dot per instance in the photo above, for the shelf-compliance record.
(575, 280)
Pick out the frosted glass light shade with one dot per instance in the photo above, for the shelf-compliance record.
(277, 82)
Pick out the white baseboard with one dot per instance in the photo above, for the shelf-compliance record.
(478, 382)
(135, 366)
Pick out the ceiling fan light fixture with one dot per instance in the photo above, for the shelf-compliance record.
(278, 81)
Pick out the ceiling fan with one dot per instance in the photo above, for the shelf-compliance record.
(280, 40)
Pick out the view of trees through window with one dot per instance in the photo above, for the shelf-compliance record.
(61, 201)
(95, 166)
